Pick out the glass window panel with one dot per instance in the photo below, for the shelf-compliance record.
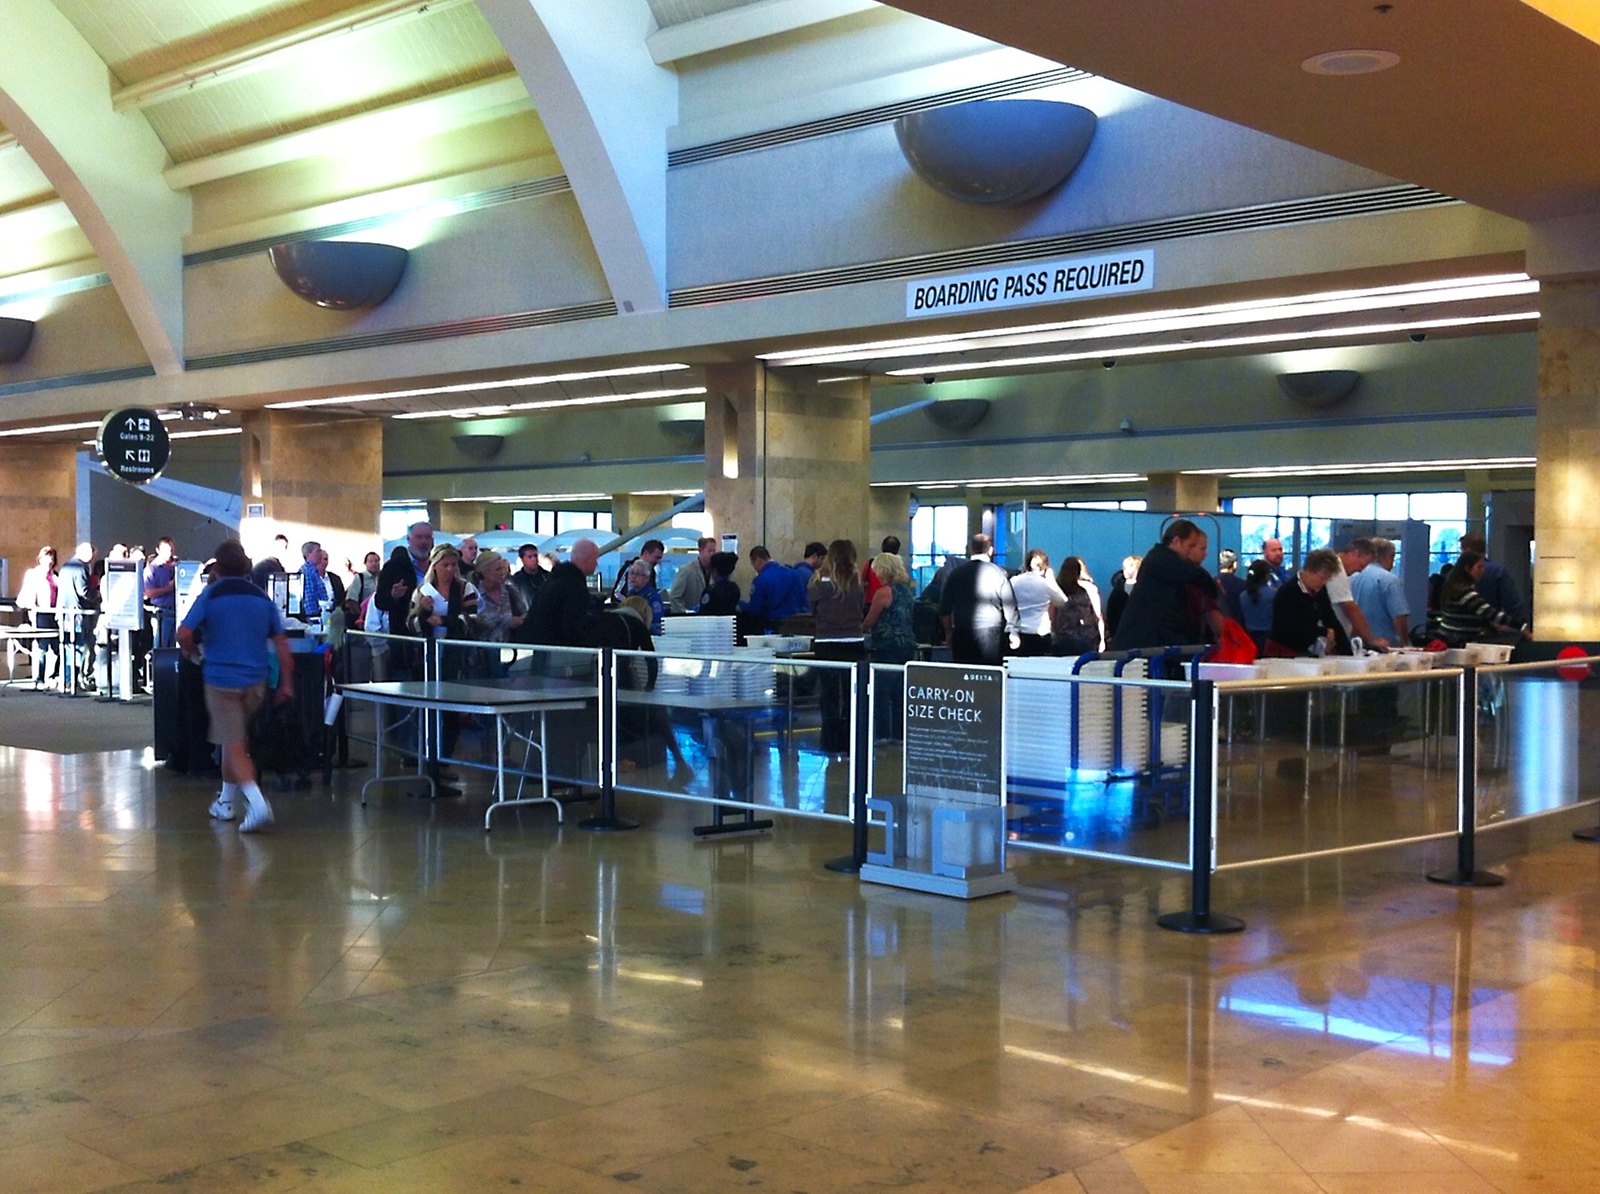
(1319, 533)
(1136, 504)
(1393, 507)
(394, 520)
(1093, 505)
(1444, 543)
(1254, 530)
(602, 520)
(949, 531)
(1294, 506)
(1440, 507)
(1342, 505)
(1255, 505)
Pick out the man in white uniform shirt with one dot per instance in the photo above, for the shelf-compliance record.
(1353, 557)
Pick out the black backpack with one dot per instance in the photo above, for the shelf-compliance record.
(1074, 629)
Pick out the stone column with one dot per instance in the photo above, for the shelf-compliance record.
(458, 518)
(1567, 482)
(318, 477)
(891, 515)
(786, 459)
(1181, 493)
(628, 510)
(39, 494)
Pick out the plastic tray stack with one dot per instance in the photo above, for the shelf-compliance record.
(698, 636)
(1039, 722)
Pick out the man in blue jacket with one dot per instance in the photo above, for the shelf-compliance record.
(777, 591)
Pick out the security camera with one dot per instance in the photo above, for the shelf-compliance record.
(927, 379)
(1109, 363)
(1418, 337)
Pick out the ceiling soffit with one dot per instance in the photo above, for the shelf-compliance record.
(680, 12)
(1491, 102)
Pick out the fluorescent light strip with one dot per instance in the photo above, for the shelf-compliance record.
(165, 416)
(476, 412)
(475, 386)
(207, 434)
(1385, 466)
(1158, 325)
(534, 497)
(1423, 291)
(1150, 350)
(1072, 479)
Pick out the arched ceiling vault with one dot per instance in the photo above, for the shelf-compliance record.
(607, 107)
(55, 98)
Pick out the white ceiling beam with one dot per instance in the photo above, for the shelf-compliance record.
(752, 22)
(607, 108)
(406, 122)
(269, 51)
(55, 96)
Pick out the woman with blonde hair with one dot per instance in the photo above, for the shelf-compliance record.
(838, 602)
(444, 607)
(501, 608)
(890, 638)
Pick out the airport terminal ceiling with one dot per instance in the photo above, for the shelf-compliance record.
(275, 121)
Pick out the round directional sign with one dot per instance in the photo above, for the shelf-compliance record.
(134, 445)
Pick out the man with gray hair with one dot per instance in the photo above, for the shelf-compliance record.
(1230, 582)
(1381, 596)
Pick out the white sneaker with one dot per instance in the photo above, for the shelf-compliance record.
(257, 815)
(222, 808)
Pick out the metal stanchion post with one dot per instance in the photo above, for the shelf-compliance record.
(1202, 801)
(861, 738)
(607, 821)
(1465, 872)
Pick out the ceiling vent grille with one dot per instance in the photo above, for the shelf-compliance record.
(847, 121)
(1403, 197)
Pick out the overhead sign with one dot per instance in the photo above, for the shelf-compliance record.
(1030, 283)
(134, 445)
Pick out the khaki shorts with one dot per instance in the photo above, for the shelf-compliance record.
(230, 710)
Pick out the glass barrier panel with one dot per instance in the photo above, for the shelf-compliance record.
(750, 729)
(522, 694)
(1317, 765)
(1538, 740)
(1097, 761)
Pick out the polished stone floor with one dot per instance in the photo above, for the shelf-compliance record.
(386, 999)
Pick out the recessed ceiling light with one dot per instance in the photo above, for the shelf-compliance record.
(1339, 63)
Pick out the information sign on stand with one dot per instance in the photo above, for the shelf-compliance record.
(946, 833)
(122, 595)
(122, 614)
(134, 445)
(187, 583)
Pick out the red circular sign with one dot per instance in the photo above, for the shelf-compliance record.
(1581, 672)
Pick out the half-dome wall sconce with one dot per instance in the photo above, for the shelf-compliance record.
(343, 275)
(957, 414)
(15, 336)
(1000, 152)
(1319, 387)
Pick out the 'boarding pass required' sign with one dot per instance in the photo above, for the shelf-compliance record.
(1033, 282)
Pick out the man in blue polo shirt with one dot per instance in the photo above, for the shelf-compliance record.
(236, 624)
(776, 593)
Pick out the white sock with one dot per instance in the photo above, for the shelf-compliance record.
(230, 792)
(252, 793)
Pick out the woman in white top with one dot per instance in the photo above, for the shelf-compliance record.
(1037, 594)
